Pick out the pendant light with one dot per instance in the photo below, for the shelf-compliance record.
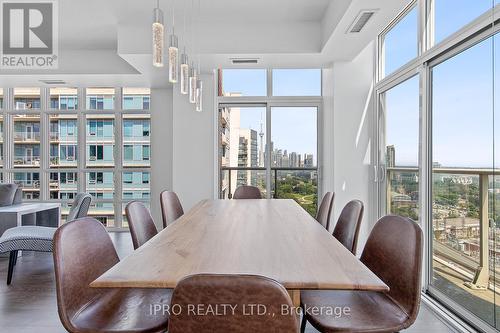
(184, 61)
(199, 83)
(173, 51)
(158, 36)
(184, 73)
(173, 58)
(199, 95)
(192, 84)
(192, 71)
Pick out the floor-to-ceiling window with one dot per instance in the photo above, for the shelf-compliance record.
(463, 185)
(268, 134)
(136, 152)
(399, 126)
(56, 142)
(437, 134)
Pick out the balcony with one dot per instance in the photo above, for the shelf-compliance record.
(136, 164)
(68, 161)
(67, 186)
(54, 136)
(224, 116)
(57, 137)
(466, 248)
(93, 138)
(26, 161)
(224, 135)
(26, 137)
(27, 184)
(136, 139)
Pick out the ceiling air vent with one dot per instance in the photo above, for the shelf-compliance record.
(244, 61)
(361, 20)
(53, 81)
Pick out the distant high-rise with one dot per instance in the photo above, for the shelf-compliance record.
(308, 161)
(261, 149)
(391, 156)
(225, 125)
(285, 162)
(247, 156)
(294, 160)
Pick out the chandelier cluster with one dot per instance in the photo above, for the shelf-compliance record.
(190, 78)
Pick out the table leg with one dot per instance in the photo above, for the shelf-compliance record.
(59, 219)
(7, 221)
(295, 296)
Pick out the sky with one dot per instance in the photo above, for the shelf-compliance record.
(293, 128)
(462, 92)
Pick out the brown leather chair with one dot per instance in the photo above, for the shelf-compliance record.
(171, 208)
(325, 210)
(82, 252)
(141, 223)
(241, 291)
(347, 228)
(393, 252)
(247, 192)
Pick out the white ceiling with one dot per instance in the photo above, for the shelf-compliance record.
(103, 38)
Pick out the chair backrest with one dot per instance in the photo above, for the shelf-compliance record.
(347, 228)
(247, 192)
(141, 223)
(79, 207)
(18, 197)
(7, 194)
(171, 208)
(393, 252)
(83, 251)
(325, 210)
(240, 291)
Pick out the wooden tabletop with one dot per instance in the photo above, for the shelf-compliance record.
(273, 238)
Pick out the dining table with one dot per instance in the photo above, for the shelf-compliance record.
(275, 238)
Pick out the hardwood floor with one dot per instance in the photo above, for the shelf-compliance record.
(29, 303)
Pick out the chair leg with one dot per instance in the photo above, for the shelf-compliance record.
(15, 257)
(303, 323)
(12, 258)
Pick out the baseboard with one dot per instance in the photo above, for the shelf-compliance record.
(451, 320)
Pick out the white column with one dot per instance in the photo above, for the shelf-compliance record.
(161, 147)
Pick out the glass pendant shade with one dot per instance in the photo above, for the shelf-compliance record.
(173, 59)
(199, 95)
(192, 85)
(158, 39)
(184, 74)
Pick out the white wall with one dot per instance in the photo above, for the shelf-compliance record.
(161, 147)
(182, 156)
(193, 146)
(353, 110)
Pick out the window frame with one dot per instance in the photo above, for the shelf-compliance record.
(269, 101)
(430, 55)
(380, 71)
(7, 170)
